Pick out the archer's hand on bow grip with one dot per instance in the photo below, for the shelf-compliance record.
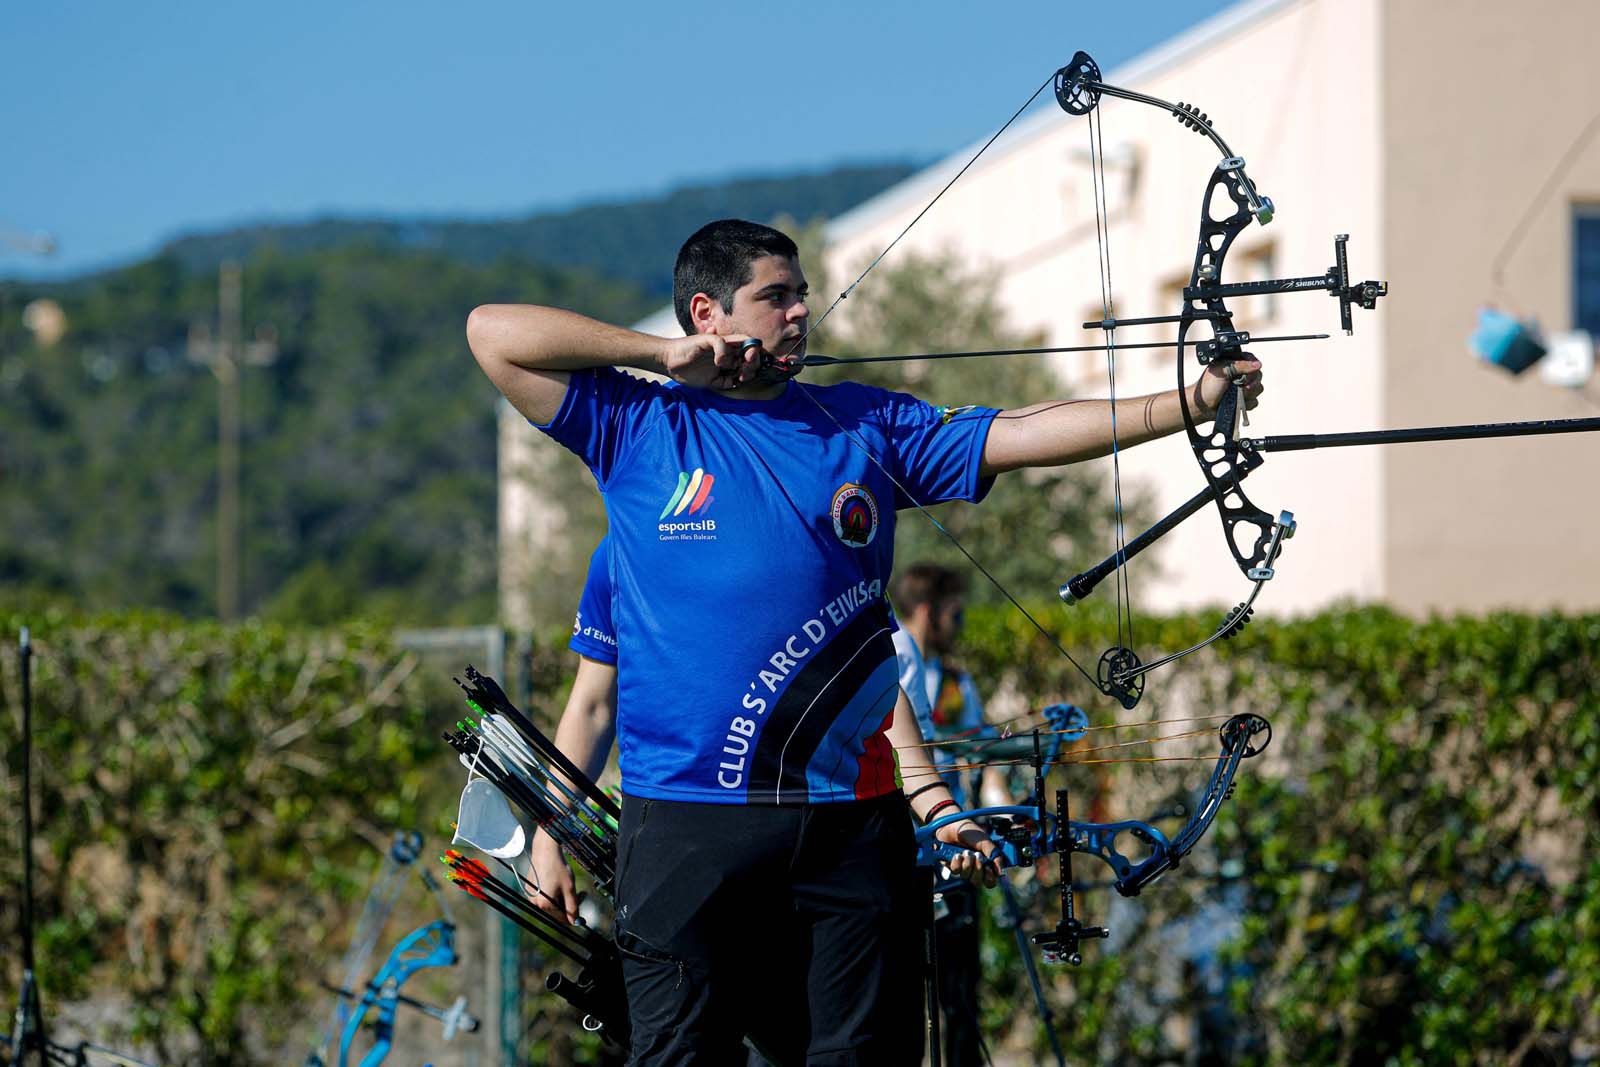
(934, 853)
(1243, 373)
(973, 857)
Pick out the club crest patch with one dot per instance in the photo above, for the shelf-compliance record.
(855, 515)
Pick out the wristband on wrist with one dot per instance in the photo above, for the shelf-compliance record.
(921, 789)
(937, 808)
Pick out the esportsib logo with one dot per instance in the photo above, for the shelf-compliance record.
(692, 495)
(683, 519)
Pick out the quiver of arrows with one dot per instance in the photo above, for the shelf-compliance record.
(503, 747)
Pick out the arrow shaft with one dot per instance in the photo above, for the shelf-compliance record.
(838, 361)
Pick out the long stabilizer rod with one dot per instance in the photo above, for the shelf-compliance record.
(1303, 441)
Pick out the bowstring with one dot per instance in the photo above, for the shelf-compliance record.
(1104, 761)
(944, 531)
(1076, 752)
(871, 457)
(1102, 235)
(845, 293)
(1102, 226)
(1074, 732)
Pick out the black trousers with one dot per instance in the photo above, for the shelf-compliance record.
(799, 926)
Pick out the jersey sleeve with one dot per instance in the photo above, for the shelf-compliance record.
(593, 634)
(939, 450)
(601, 416)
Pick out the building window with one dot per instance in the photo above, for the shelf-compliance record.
(1586, 268)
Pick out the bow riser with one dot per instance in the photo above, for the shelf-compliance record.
(1220, 456)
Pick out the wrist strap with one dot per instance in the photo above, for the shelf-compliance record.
(921, 789)
(937, 808)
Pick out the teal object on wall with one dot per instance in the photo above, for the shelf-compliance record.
(1505, 342)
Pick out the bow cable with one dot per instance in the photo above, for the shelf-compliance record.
(1102, 233)
(944, 531)
(845, 294)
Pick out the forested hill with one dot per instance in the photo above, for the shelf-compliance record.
(369, 452)
(633, 241)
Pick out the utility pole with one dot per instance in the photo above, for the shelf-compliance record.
(226, 355)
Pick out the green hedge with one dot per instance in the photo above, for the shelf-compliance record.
(1407, 875)
(210, 804)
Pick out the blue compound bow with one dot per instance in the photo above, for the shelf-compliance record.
(430, 945)
(1026, 833)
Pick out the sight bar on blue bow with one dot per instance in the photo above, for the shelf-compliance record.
(455, 1018)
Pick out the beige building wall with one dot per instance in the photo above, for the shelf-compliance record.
(1482, 101)
(1422, 130)
(1292, 87)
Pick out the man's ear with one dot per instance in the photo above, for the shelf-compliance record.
(705, 313)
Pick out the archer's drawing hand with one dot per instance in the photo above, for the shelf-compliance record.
(710, 361)
(976, 865)
(550, 885)
(1220, 377)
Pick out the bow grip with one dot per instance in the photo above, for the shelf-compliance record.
(935, 853)
(931, 852)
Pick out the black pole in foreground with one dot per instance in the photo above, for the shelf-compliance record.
(930, 962)
(27, 1031)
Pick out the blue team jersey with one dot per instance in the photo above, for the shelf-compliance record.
(592, 632)
(750, 544)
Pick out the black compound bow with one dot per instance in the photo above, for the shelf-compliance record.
(1253, 536)
(1027, 833)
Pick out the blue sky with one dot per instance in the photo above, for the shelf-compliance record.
(127, 124)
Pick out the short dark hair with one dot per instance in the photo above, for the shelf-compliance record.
(716, 259)
(926, 583)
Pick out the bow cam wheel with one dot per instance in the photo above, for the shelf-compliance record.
(1118, 678)
(1072, 93)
